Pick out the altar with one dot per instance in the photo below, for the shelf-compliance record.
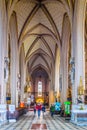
(79, 114)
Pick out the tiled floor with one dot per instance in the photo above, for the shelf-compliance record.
(29, 121)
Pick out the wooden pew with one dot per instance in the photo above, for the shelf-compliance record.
(17, 113)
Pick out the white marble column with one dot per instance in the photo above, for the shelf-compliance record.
(78, 44)
(14, 60)
(3, 49)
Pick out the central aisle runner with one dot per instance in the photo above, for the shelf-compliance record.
(38, 127)
(38, 123)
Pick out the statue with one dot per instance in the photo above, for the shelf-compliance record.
(72, 71)
(6, 68)
(79, 99)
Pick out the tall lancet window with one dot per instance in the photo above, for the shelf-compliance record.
(39, 88)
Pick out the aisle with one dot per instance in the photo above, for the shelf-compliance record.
(31, 122)
(39, 123)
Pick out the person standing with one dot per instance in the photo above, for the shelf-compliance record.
(52, 110)
(35, 109)
(43, 109)
(38, 107)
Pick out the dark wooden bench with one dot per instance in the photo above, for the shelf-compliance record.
(17, 113)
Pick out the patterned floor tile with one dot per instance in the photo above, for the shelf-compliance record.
(56, 123)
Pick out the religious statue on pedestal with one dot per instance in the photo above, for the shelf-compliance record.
(80, 98)
(72, 70)
(6, 68)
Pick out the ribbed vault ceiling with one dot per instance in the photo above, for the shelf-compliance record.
(40, 25)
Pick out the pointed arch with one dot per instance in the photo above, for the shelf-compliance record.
(52, 22)
(28, 19)
(38, 51)
(35, 42)
(40, 65)
(36, 57)
(51, 34)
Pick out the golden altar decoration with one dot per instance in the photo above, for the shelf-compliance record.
(81, 87)
(28, 89)
(39, 100)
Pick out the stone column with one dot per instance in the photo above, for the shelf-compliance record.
(61, 77)
(51, 87)
(22, 65)
(14, 60)
(3, 49)
(57, 65)
(78, 44)
(51, 94)
(64, 56)
(53, 82)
